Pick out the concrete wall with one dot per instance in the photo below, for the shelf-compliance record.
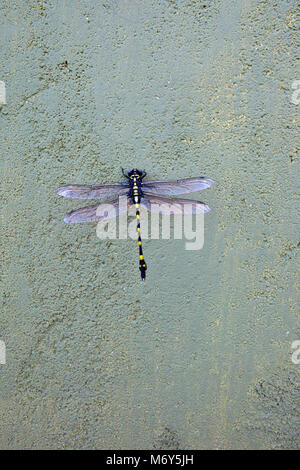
(198, 356)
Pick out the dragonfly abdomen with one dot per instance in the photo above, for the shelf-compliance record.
(136, 196)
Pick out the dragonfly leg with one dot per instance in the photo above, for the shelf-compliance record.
(124, 174)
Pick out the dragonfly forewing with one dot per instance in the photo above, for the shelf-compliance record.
(183, 186)
(93, 191)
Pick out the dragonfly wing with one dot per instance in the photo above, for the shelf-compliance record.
(167, 205)
(107, 210)
(93, 191)
(186, 185)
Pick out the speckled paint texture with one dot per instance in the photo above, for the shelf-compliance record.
(198, 356)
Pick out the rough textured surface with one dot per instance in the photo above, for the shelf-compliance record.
(95, 358)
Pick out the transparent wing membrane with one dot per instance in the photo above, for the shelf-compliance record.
(98, 212)
(184, 186)
(93, 191)
(167, 205)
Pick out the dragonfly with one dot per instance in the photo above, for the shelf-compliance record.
(153, 195)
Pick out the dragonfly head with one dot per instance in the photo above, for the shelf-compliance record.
(135, 173)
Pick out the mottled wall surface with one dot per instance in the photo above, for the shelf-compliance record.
(198, 356)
